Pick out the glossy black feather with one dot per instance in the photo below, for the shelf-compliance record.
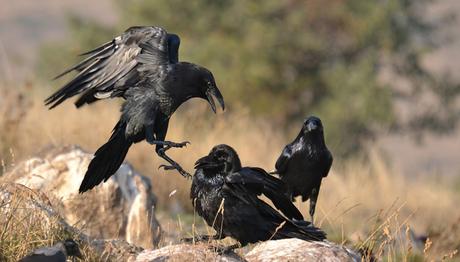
(113, 61)
(107, 159)
(259, 182)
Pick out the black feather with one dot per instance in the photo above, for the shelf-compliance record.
(107, 159)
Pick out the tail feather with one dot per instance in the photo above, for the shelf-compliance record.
(302, 230)
(107, 159)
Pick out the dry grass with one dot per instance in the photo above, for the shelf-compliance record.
(22, 230)
(364, 203)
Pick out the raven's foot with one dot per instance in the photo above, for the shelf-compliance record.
(176, 167)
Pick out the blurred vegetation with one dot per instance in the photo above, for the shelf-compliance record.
(289, 59)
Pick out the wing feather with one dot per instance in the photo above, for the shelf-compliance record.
(257, 181)
(108, 67)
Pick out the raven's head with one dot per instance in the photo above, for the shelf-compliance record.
(312, 126)
(221, 158)
(71, 248)
(197, 81)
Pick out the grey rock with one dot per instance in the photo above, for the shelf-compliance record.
(23, 209)
(298, 250)
(186, 252)
(107, 211)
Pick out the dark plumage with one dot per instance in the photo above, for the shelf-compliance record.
(226, 196)
(141, 66)
(304, 162)
(56, 253)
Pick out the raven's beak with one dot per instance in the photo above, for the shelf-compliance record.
(173, 48)
(214, 91)
(312, 125)
(207, 162)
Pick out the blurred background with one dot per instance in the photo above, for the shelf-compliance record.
(382, 75)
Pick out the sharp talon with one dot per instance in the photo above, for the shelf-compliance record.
(185, 174)
(183, 144)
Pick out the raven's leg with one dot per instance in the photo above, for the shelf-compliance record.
(156, 135)
(202, 238)
(313, 199)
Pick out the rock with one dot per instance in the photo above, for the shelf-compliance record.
(107, 211)
(114, 249)
(299, 250)
(30, 221)
(186, 252)
(143, 228)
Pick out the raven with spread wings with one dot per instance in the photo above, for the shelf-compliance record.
(226, 195)
(141, 66)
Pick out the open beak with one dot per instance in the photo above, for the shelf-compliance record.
(207, 162)
(214, 91)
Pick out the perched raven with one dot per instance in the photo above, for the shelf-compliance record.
(56, 253)
(141, 66)
(226, 196)
(304, 162)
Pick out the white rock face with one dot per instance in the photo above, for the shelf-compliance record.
(186, 252)
(143, 228)
(298, 250)
(108, 211)
(294, 250)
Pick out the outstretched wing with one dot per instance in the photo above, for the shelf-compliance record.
(255, 181)
(111, 68)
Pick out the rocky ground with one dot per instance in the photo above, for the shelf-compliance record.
(116, 221)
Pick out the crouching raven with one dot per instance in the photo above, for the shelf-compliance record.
(226, 196)
(142, 66)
